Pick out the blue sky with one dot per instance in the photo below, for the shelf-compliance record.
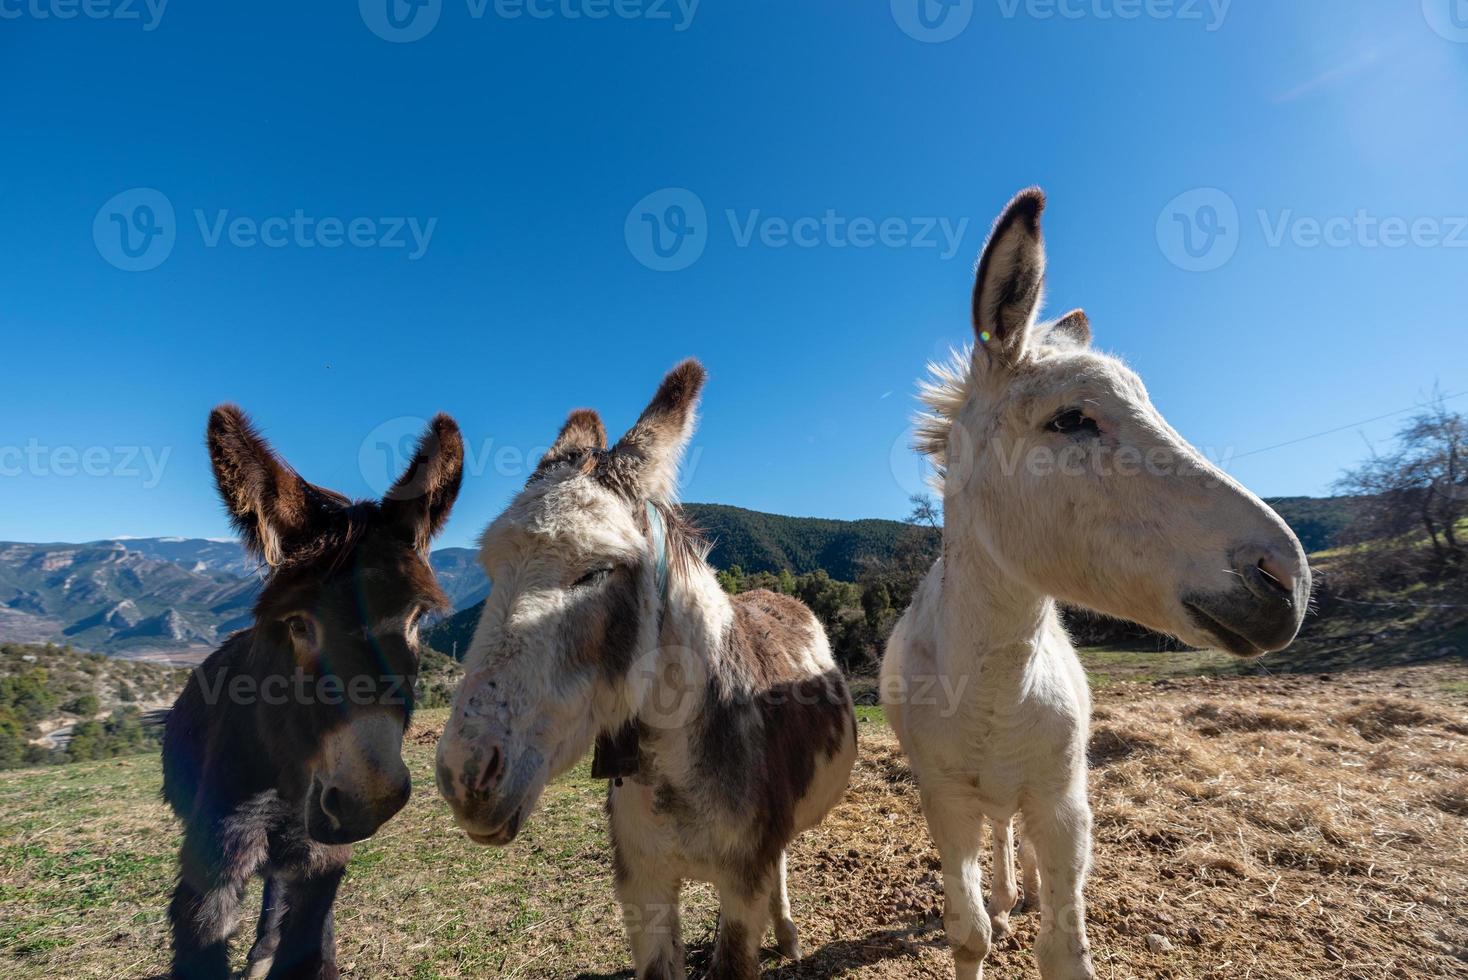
(525, 140)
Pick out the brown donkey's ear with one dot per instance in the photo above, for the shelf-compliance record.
(269, 504)
(1010, 279)
(583, 430)
(418, 504)
(652, 448)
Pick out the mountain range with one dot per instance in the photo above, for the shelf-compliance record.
(179, 597)
(153, 596)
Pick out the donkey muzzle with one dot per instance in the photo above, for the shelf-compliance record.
(490, 793)
(344, 814)
(1263, 613)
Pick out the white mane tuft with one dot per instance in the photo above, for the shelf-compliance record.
(943, 393)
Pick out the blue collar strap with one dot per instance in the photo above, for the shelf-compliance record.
(660, 547)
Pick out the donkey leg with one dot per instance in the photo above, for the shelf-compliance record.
(1061, 833)
(1004, 892)
(649, 902)
(786, 938)
(743, 917)
(203, 918)
(267, 933)
(307, 948)
(1030, 866)
(205, 907)
(957, 828)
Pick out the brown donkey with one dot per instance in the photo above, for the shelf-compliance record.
(723, 721)
(285, 746)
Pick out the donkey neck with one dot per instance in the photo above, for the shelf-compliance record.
(987, 614)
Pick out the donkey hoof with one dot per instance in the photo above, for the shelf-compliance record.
(966, 967)
(258, 969)
(999, 924)
(787, 940)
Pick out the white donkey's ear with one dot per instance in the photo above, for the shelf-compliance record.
(646, 458)
(1071, 330)
(1010, 279)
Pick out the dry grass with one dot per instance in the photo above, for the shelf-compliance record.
(1277, 827)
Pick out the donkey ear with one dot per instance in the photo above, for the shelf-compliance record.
(269, 504)
(419, 503)
(583, 431)
(653, 447)
(1010, 278)
(1071, 330)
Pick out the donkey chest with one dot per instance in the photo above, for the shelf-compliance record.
(1003, 746)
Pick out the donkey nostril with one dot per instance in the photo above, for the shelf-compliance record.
(492, 771)
(1276, 576)
(331, 805)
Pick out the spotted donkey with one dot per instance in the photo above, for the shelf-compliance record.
(285, 746)
(723, 721)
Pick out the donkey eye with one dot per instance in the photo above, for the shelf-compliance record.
(592, 577)
(1072, 421)
(302, 631)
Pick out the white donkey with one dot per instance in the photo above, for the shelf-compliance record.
(722, 720)
(1061, 481)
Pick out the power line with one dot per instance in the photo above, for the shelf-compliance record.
(1342, 428)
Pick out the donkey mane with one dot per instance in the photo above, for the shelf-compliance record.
(949, 383)
(944, 392)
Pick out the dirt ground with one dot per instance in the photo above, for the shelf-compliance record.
(1274, 827)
